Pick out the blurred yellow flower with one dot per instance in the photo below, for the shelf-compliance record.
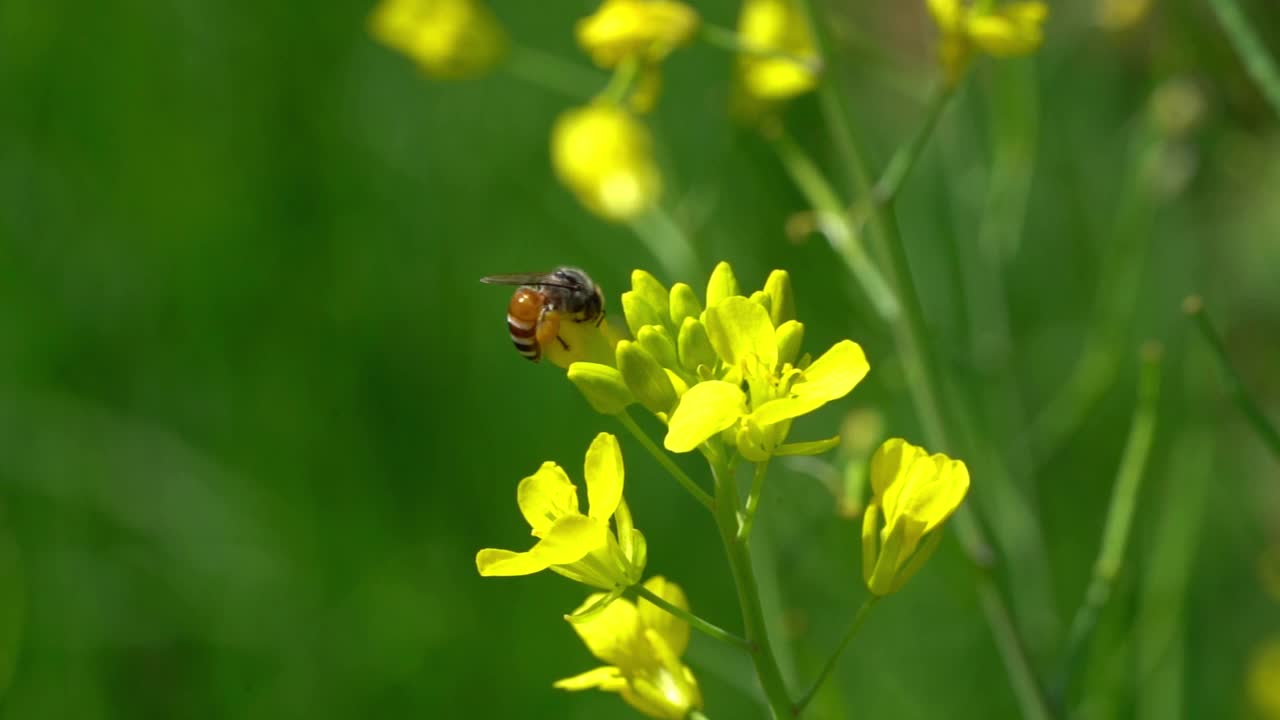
(1116, 15)
(913, 494)
(447, 38)
(775, 26)
(580, 547)
(642, 646)
(1264, 680)
(605, 156)
(645, 29)
(1005, 31)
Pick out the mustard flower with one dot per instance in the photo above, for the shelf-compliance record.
(913, 494)
(642, 645)
(580, 547)
(647, 30)
(605, 156)
(1264, 680)
(1005, 31)
(777, 26)
(447, 38)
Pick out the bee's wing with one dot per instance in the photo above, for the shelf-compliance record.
(521, 279)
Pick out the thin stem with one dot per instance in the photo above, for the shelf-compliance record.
(1115, 533)
(696, 622)
(1194, 307)
(1260, 66)
(859, 618)
(726, 39)
(552, 73)
(835, 224)
(911, 338)
(622, 81)
(744, 580)
(667, 242)
(904, 159)
(665, 460)
(695, 715)
(753, 500)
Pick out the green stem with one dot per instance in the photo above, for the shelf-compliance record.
(830, 666)
(695, 715)
(904, 159)
(667, 242)
(1194, 307)
(744, 580)
(552, 73)
(694, 621)
(665, 460)
(1260, 66)
(835, 224)
(753, 500)
(1115, 533)
(911, 338)
(726, 39)
(622, 81)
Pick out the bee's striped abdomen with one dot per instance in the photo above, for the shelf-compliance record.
(522, 322)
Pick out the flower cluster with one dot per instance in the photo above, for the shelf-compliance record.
(783, 59)
(725, 372)
(1005, 31)
(447, 38)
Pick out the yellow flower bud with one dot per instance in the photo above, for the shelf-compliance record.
(1004, 31)
(605, 156)
(447, 38)
(646, 29)
(913, 495)
(775, 26)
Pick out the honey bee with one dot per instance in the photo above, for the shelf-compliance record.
(542, 300)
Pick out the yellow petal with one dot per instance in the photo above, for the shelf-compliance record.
(605, 156)
(742, 335)
(545, 497)
(673, 631)
(612, 634)
(775, 25)
(640, 312)
(933, 502)
(684, 304)
(705, 410)
(946, 13)
(790, 337)
(782, 302)
(602, 386)
(570, 539)
(889, 461)
(604, 473)
(492, 562)
(605, 678)
(1012, 30)
(651, 290)
(830, 377)
(722, 284)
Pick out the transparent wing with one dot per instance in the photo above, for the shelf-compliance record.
(522, 279)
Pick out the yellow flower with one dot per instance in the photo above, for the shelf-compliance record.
(448, 38)
(605, 156)
(642, 646)
(913, 494)
(775, 26)
(1264, 680)
(577, 546)
(646, 29)
(1006, 31)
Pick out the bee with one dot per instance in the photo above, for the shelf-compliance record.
(542, 300)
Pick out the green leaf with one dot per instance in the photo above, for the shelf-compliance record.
(813, 447)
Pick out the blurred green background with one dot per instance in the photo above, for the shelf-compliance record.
(257, 414)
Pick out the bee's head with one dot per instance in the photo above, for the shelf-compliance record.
(586, 295)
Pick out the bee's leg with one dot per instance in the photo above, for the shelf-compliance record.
(563, 344)
(600, 318)
(549, 328)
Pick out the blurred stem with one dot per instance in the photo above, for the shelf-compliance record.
(753, 500)
(726, 39)
(695, 715)
(835, 224)
(911, 338)
(622, 81)
(694, 621)
(859, 618)
(665, 460)
(1194, 307)
(744, 580)
(1115, 533)
(1259, 64)
(552, 73)
(904, 159)
(667, 242)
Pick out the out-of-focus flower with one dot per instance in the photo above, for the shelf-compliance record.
(1005, 31)
(580, 547)
(1117, 15)
(447, 38)
(913, 495)
(782, 59)
(1264, 680)
(642, 645)
(647, 30)
(605, 156)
